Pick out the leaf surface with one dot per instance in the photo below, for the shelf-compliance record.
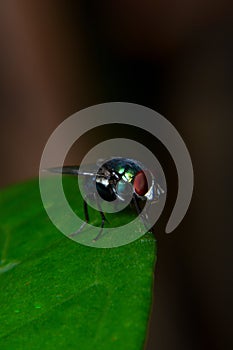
(58, 294)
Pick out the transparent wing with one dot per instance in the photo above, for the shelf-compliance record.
(71, 170)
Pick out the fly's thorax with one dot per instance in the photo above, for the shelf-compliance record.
(115, 179)
(122, 178)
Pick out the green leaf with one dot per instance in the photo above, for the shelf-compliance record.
(58, 294)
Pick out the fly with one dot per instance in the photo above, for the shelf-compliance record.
(117, 178)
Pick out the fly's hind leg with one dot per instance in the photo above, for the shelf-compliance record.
(103, 218)
(86, 214)
(85, 209)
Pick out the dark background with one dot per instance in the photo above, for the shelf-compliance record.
(175, 57)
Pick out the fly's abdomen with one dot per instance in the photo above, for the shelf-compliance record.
(106, 192)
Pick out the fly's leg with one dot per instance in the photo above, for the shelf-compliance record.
(138, 209)
(79, 230)
(85, 209)
(102, 223)
(86, 214)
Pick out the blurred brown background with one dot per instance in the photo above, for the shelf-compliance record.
(175, 57)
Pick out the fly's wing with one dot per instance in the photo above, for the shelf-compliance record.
(71, 170)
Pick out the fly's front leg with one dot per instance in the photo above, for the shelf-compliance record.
(144, 219)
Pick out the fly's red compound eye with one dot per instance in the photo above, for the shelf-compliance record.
(140, 183)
